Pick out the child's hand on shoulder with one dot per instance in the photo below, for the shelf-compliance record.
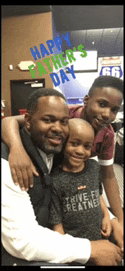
(106, 226)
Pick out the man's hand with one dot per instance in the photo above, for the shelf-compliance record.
(105, 253)
(22, 168)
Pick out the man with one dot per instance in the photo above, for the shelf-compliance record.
(24, 234)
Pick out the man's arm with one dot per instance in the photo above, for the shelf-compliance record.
(102, 253)
(23, 238)
(22, 168)
(112, 191)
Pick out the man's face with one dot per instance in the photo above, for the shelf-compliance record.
(48, 126)
(102, 107)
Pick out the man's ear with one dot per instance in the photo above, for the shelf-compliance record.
(27, 121)
(86, 99)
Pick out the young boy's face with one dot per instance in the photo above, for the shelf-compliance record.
(79, 145)
(102, 107)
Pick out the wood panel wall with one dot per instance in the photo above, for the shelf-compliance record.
(19, 34)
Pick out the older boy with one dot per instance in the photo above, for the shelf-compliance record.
(100, 108)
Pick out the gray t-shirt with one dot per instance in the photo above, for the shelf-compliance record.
(78, 210)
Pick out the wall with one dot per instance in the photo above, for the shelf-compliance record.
(19, 34)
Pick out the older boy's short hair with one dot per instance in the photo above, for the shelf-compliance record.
(41, 92)
(106, 81)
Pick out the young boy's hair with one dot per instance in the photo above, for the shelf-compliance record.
(75, 122)
(106, 81)
(41, 92)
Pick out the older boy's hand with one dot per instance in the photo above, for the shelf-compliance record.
(117, 229)
(106, 226)
(22, 168)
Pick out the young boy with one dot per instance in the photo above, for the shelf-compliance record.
(77, 204)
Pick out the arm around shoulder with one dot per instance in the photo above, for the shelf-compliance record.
(10, 129)
(21, 165)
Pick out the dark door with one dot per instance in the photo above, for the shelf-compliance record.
(20, 91)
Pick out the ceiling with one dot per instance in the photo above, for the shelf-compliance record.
(107, 41)
(73, 17)
(80, 17)
(18, 10)
(98, 27)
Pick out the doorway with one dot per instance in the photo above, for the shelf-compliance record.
(20, 91)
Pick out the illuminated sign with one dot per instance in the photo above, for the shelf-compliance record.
(112, 66)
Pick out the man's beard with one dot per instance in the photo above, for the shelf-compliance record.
(50, 149)
(45, 146)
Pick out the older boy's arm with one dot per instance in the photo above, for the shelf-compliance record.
(10, 130)
(112, 191)
(106, 224)
(103, 207)
(118, 233)
(21, 165)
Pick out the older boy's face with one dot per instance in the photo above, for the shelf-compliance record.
(48, 126)
(102, 107)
